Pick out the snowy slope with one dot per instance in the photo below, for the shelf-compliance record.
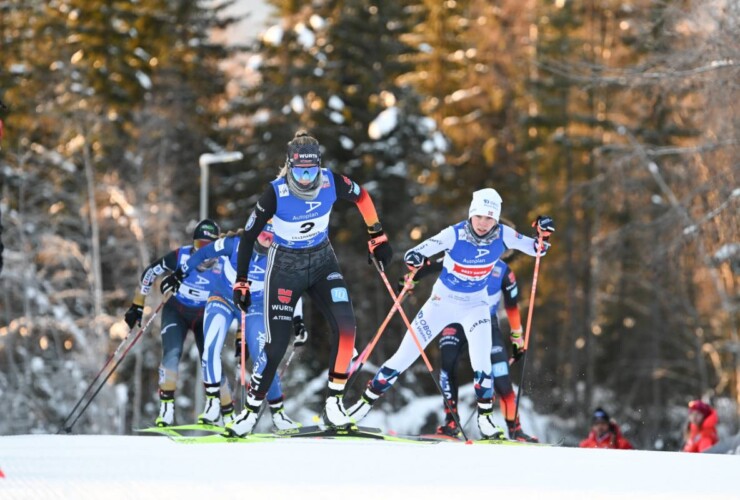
(153, 467)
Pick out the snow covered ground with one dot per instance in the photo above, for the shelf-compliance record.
(153, 467)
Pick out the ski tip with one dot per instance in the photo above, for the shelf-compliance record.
(316, 419)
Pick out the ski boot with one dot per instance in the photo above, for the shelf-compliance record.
(166, 416)
(244, 422)
(335, 415)
(227, 413)
(450, 428)
(517, 434)
(362, 407)
(488, 429)
(280, 420)
(212, 413)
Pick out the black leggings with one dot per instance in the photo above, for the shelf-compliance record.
(452, 343)
(290, 273)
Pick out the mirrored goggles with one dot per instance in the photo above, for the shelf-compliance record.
(305, 175)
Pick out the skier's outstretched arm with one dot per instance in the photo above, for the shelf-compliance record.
(160, 266)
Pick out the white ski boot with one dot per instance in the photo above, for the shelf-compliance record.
(283, 422)
(334, 413)
(166, 416)
(212, 413)
(488, 429)
(244, 422)
(362, 407)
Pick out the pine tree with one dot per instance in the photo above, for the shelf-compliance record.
(82, 121)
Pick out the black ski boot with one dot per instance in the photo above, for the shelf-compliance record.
(517, 434)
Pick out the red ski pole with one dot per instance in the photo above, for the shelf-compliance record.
(68, 428)
(418, 345)
(243, 354)
(530, 312)
(396, 305)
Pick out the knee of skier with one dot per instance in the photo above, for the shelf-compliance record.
(483, 385)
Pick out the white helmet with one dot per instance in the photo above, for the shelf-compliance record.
(486, 202)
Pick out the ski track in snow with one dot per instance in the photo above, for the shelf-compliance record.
(154, 467)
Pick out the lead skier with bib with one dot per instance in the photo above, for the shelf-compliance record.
(471, 249)
(301, 259)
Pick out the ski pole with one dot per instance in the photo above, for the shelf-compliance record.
(97, 376)
(240, 395)
(360, 360)
(527, 332)
(243, 354)
(68, 428)
(418, 344)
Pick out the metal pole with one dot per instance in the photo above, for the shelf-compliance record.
(205, 161)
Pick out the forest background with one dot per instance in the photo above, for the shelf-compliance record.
(617, 118)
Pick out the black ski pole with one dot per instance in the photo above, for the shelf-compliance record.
(68, 428)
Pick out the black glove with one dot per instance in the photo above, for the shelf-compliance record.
(171, 284)
(133, 315)
(517, 345)
(545, 226)
(414, 260)
(242, 297)
(380, 248)
(301, 334)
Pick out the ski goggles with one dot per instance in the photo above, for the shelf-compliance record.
(305, 174)
(197, 244)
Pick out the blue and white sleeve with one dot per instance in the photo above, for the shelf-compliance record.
(517, 241)
(222, 246)
(440, 242)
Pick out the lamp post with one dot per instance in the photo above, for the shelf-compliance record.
(205, 161)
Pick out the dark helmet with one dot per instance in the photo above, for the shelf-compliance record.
(600, 416)
(205, 232)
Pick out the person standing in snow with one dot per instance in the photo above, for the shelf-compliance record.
(220, 312)
(301, 259)
(182, 312)
(605, 433)
(471, 249)
(701, 431)
(452, 342)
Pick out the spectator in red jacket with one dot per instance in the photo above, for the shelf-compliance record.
(701, 432)
(605, 433)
